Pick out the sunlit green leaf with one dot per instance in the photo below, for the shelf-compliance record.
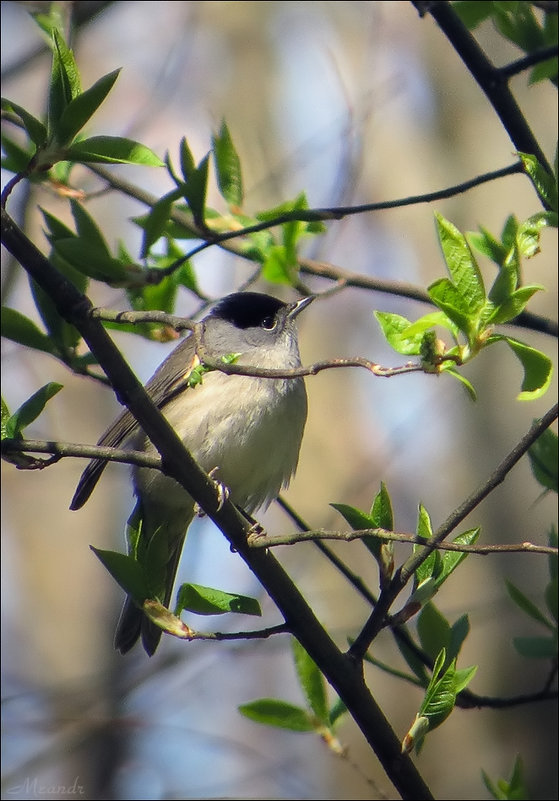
(112, 150)
(209, 601)
(31, 409)
(228, 167)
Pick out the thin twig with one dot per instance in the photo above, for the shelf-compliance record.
(264, 541)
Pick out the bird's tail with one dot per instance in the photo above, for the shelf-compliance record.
(133, 623)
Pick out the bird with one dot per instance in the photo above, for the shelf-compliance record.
(245, 431)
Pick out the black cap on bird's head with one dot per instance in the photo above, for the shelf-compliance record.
(255, 310)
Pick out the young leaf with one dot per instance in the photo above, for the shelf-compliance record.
(446, 296)
(434, 630)
(112, 150)
(451, 559)
(31, 409)
(394, 327)
(527, 606)
(381, 510)
(544, 183)
(273, 712)
(64, 84)
(21, 329)
(543, 459)
(537, 366)
(312, 682)
(515, 789)
(228, 167)
(126, 571)
(462, 266)
(81, 108)
(36, 130)
(188, 165)
(209, 601)
(194, 191)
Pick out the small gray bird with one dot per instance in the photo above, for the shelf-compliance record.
(247, 430)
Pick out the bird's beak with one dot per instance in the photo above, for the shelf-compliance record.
(299, 305)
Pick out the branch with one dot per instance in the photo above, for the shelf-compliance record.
(344, 675)
(264, 541)
(324, 270)
(406, 571)
(489, 78)
(527, 61)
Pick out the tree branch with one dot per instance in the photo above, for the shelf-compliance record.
(488, 77)
(376, 621)
(344, 674)
(264, 541)
(325, 270)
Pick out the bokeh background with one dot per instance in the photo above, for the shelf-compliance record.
(352, 102)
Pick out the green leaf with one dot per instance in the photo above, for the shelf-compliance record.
(36, 130)
(92, 261)
(515, 789)
(154, 224)
(81, 108)
(452, 371)
(312, 682)
(209, 601)
(21, 329)
(88, 230)
(544, 183)
(463, 677)
(64, 84)
(458, 633)
(451, 559)
(194, 191)
(528, 236)
(431, 566)
(273, 712)
(527, 606)
(277, 268)
(31, 409)
(188, 165)
(64, 336)
(513, 305)
(462, 266)
(538, 368)
(5, 419)
(126, 571)
(433, 629)
(536, 647)
(17, 158)
(472, 14)
(381, 510)
(228, 167)
(446, 296)
(112, 150)
(543, 459)
(413, 661)
(489, 245)
(395, 329)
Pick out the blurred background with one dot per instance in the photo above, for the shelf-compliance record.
(352, 102)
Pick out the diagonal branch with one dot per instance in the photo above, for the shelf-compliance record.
(344, 674)
(489, 78)
(376, 621)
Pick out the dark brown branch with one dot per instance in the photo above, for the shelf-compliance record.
(489, 79)
(527, 61)
(344, 674)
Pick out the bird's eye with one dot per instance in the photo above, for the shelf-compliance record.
(269, 323)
